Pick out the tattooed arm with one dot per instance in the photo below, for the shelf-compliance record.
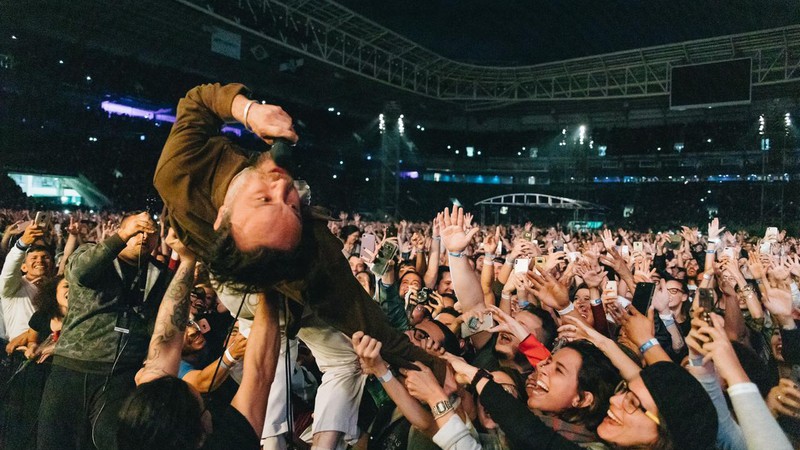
(164, 354)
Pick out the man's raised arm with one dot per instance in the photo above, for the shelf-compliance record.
(164, 354)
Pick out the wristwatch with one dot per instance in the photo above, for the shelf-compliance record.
(441, 408)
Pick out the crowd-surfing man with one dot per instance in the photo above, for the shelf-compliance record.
(504, 336)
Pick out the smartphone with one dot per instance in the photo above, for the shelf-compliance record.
(625, 251)
(705, 300)
(766, 248)
(41, 219)
(638, 246)
(772, 232)
(675, 241)
(527, 236)
(573, 256)
(728, 252)
(475, 325)
(642, 296)
(558, 245)
(499, 248)
(540, 261)
(611, 285)
(386, 253)
(368, 243)
(521, 265)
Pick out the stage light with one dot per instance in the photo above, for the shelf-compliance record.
(457, 152)
(678, 147)
(142, 137)
(422, 129)
(88, 78)
(369, 157)
(762, 125)
(14, 37)
(366, 179)
(61, 61)
(470, 152)
(448, 147)
(401, 128)
(581, 134)
(341, 162)
(381, 123)
(334, 176)
(708, 140)
(787, 121)
(601, 150)
(338, 113)
(331, 109)
(519, 153)
(479, 153)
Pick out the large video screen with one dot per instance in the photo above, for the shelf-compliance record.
(711, 84)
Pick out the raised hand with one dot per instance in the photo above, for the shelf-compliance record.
(593, 277)
(452, 230)
(31, 234)
(576, 329)
(608, 239)
(133, 225)
(467, 221)
(778, 302)
(793, 265)
(755, 265)
(174, 243)
(719, 349)
(422, 384)
(714, 230)
(464, 372)
(660, 300)
(548, 290)
(784, 399)
(506, 323)
(368, 350)
(638, 327)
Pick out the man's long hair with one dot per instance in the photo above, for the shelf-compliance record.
(257, 270)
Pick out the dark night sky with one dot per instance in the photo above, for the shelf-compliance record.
(519, 32)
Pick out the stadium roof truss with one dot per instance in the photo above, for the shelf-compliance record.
(334, 34)
(530, 200)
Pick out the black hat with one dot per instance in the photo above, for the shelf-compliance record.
(683, 405)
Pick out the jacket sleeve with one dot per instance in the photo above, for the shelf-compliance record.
(522, 428)
(534, 350)
(10, 276)
(791, 345)
(392, 305)
(760, 429)
(454, 435)
(90, 261)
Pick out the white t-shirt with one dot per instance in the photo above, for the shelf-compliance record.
(16, 294)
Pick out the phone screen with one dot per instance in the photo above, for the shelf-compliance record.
(642, 296)
(385, 254)
(705, 299)
(474, 325)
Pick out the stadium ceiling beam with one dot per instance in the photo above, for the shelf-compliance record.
(532, 200)
(334, 34)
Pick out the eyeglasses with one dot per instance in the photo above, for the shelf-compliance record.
(420, 335)
(674, 291)
(630, 402)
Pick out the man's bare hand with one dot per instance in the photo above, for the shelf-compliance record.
(133, 225)
(269, 122)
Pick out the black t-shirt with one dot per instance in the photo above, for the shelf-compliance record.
(40, 323)
(231, 430)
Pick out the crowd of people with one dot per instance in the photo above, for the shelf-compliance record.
(541, 330)
(241, 316)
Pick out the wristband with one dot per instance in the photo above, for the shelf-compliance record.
(567, 310)
(21, 245)
(387, 377)
(648, 345)
(697, 361)
(437, 238)
(505, 296)
(706, 276)
(222, 362)
(489, 256)
(228, 354)
(455, 254)
(667, 319)
(710, 252)
(246, 112)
